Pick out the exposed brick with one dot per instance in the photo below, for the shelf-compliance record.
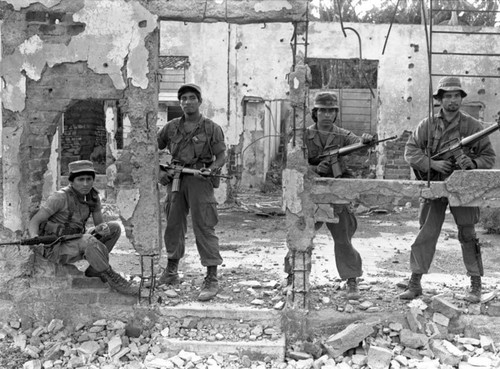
(36, 17)
(54, 17)
(79, 297)
(115, 298)
(75, 29)
(84, 282)
(49, 282)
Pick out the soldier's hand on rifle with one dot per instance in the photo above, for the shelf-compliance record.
(367, 138)
(323, 167)
(204, 172)
(442, 166)
(465, 162)
(166, 176)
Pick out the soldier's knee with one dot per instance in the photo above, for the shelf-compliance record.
(466, 233)
(114, 228)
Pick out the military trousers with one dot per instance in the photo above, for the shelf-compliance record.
(347, 258)
(87, 247)
(195, 195)
(431, 219)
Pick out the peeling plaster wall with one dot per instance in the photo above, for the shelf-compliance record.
(110, 58)
(403, 70)
(103, 44)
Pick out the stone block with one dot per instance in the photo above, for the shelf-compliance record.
(413, 321)
(349, 338)
(379, 357)
(412, 339)
(493, 309)
(441, 319)
(444, 356)
(440, 305)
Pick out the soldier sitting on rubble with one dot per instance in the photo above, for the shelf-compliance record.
(66, 212)
(449, 124)
(319, 137)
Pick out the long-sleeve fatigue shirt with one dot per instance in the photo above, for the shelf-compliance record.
(463, 125)
(339, 137)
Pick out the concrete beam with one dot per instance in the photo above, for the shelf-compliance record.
(463, 188)
(228, 11)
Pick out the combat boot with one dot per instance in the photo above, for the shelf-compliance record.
(92, 273)
(352, 289)
(210, 285)
(414, 288)
(170, 276)
(474, 294)
(119, 284)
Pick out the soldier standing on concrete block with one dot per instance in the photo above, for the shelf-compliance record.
(449, 125)
(321, 137)
(198, 143)
(66, 213)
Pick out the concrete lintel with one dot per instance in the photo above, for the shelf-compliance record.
(230, 11)
(463, 188)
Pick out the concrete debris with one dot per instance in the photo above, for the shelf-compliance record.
(349, 338)
(113, 344)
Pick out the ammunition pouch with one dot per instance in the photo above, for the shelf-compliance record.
(214, 179)
(57, 229)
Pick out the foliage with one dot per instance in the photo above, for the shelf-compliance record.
(463, 12)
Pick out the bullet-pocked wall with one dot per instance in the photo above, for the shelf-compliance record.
(242, 70)
(56, 55)
(403, 75)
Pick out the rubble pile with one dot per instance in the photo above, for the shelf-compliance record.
(266, 293)
(216, 330)
(430, 337)
(113, 344)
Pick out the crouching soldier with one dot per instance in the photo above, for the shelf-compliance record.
(66, 212)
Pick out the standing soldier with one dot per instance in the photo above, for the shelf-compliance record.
(194, 142)
(450, 123)
(319, 137)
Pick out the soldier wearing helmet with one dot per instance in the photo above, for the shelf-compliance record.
(322, 135)
(449, 124)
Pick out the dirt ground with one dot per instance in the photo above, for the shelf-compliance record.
(253, 247)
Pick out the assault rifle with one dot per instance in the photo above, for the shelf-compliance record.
(179, 169)
(334, 154)
(42, 240)
(453, 149)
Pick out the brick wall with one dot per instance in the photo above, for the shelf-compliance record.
(396, 167)
(84, 135)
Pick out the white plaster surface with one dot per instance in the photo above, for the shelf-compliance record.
(293, 185)
(111, 34)
(11, 177)
(18, 4)
(275, 5)
(126, 201)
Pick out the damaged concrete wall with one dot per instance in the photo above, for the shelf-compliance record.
(52, 58)
(232, 63)
(403, 75)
